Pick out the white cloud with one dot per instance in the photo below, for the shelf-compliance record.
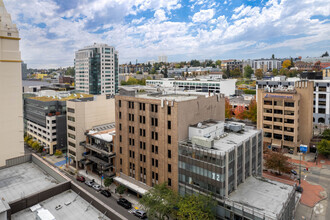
(284, 25)
(203, 16)
(160, 15)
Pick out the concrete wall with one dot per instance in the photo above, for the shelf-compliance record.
(11, 111)
(87, 115)
(36, 198)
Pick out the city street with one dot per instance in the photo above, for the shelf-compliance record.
(319, 176)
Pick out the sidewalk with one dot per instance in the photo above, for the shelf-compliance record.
(132, 198)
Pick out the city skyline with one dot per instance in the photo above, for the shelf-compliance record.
(51, 30)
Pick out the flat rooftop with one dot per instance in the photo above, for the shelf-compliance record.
(23, 180)
(57, 98)
(168, 97)
(265, 194)
(77, 209)
(234, 138)
(34, 83)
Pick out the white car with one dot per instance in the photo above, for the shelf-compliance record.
(96, 187)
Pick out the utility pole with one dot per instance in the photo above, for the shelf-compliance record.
(300, 169)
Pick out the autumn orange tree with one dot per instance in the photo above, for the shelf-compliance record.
(277, 161)
(239, 112)
(286, 64)
(228, 111)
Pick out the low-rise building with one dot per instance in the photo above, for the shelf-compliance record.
(321, 103)
(326, 72)
(99, 155)
(286, 115)
(225, 160)
(224, 86)
(83, 115)
(46, 119)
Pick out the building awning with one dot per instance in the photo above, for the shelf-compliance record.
(132, 184)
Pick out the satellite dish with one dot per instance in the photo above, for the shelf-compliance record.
(199, 125)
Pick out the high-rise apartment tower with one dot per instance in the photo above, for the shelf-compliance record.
(96, 70)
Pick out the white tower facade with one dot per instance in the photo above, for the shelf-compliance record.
(11, 110)
(96, 70)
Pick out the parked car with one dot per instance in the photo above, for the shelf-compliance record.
(106, 193)
(80, 179)
(124, 203)
(140, 214)
(89, 183)
(294, 172)
(96, 187)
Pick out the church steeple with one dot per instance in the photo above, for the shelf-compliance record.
(7, 28)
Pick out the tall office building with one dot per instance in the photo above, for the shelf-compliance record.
(11, 111)
(97, 70)
(149, 127)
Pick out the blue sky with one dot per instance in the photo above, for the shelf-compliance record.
(52, 30)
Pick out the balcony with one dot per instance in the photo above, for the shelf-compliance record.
(98, 149)
(100, 162)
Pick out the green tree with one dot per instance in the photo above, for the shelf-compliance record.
(259, 74)
(160, 202)
(284, 72)
(275, 72)
(27, 138)
(218, 63)
(69, 71)
(196, 207)
(30, 142)
(120, 189)
(323, 147)
(326, 54)
(326, 134)
(277, 161)
(139, 72)
(235, 73)
(153, 71)
(195, 63)
(273, 56)
(248, 71)
(108, 181)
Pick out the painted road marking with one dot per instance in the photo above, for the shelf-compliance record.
(305, 177)
(318, 209)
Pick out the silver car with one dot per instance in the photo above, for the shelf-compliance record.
(96, 187)
(89, 183)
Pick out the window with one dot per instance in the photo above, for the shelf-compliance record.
(144, 158)
(71, 110)
(120, 138)
(141, 157)
(156, 176)
(120, 150)
(169, 154)
(71, 128)
(119, 127)
(169, 139)
(156, 136)
(119, 115)
(131, 105)
(169, 182)
(70, 136)
(153, 148)
(169, 110)
(169, 168)
(72, 144)
(169, 125)
(142, 106)
(119, 103)
(156, 149)
(156, 163)
(121, 161)
(153, 162)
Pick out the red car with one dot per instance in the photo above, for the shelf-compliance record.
(80, 178)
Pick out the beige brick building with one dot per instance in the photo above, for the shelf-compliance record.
(82, 116)
(11, 111)
(286, 115)
(148, 128)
